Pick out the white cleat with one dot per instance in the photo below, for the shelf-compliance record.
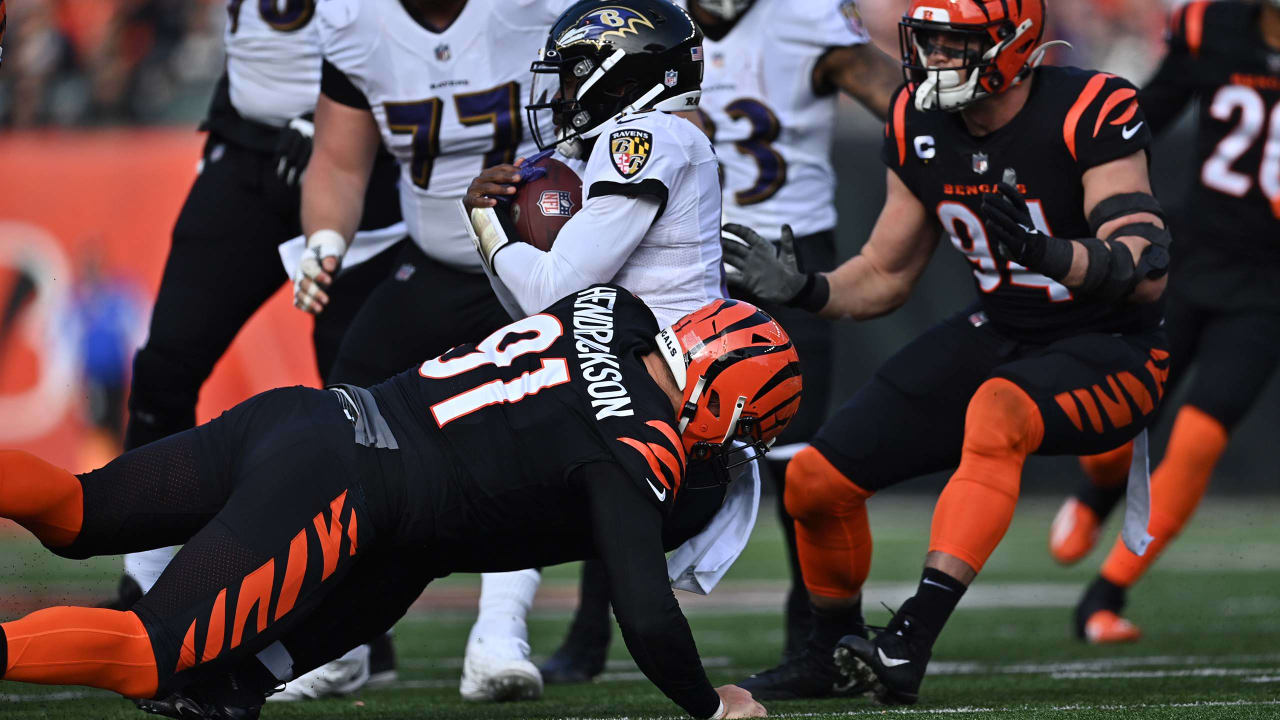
(493, 678)
(343, 676)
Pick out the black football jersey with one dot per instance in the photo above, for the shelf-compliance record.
(1073, 120)
(515, 414)
(1218, 57)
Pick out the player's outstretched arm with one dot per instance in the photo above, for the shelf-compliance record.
(627, 528)
(345, 146)
(862, 72)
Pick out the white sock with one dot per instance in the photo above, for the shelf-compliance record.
(146, 566)
(505, 599)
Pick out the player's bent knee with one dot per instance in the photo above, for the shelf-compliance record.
(1002, 419)
(815, 488)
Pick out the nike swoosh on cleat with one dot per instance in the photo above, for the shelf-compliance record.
(888, 661)
(1128, 133)
(662, 496)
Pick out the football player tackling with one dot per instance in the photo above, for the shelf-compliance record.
(509, 453)
(1039, 176)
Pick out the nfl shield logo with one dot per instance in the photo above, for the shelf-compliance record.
(555, 203)
(980, 163)
(442, 52)
(671, 79)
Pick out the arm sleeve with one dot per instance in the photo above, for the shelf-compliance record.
(1105, 122)
(1172, 87)
(589, 249)
(338, 87)
(627, 529)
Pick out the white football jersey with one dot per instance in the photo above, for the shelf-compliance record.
(273, 59)
(448, 104)
(672, 262)
(772, 132)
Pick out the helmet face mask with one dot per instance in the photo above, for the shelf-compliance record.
(740, 378)
(986, 48)
(603, 59)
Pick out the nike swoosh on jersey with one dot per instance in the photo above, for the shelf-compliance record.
(1128, 133)
(888, 661)
(662, 496)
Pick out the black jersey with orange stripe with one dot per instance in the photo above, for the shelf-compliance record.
(514, 415)
(1073, 120)
(1218, 57)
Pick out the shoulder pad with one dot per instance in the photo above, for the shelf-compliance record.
(1104, 106)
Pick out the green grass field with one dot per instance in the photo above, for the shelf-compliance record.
(1210, 611)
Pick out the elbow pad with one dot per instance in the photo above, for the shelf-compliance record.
(1111, 274)
(1154, 262)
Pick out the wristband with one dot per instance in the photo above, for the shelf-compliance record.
(813, 296)
(329, 243)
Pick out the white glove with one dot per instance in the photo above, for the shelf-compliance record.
(320, 261)
(488, 235)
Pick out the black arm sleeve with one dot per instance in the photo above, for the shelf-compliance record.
(336, 86)
(1165, 95)
(627, 528)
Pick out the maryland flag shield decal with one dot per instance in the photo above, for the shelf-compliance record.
(630, 150)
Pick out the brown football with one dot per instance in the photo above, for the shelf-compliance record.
(542, 206)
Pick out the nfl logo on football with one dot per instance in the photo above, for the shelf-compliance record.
(555, 203)
(671, 78)
(980, 163)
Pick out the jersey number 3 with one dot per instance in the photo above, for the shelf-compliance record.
(531, 335)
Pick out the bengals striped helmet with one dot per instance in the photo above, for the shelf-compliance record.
(740, 375)
(998, 42)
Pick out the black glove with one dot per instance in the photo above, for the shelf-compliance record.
(293, 149)
(1012, 235)
(752, 264)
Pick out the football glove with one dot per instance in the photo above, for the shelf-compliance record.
(754, 265)
(293, 149)
(1012, 234)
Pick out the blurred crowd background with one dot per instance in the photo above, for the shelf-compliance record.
(110, 62)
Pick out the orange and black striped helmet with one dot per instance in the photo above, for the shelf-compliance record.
(740, 375)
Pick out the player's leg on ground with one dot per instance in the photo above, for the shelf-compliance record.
(1238, 354)
(907, 421)
(496, 666)
(1074, 531)
(1077, 396)
(419, 311)
(222, 265)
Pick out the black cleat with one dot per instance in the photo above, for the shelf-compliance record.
(891, 666)
(382, 662)
(128, 592)
(219, 697)
(183, 707)
(809, 673)
(1098, 618)
(575, 662)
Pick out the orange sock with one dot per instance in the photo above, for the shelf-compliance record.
(43, 498)
(833, 538)
(1110, 469)
(1001, 428)
(98, 648)
(1177, 485)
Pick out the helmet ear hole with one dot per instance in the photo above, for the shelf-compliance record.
(713, 404)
